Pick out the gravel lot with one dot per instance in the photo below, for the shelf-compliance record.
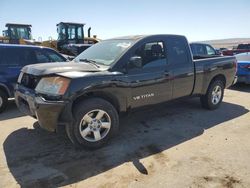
(177, 144)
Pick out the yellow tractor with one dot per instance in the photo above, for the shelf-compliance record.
(71, 40)
(17, 34)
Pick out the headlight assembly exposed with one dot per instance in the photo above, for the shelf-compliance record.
(53, 85)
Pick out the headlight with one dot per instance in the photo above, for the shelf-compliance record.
(53, 85)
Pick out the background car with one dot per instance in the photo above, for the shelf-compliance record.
(243, 71)
(241, 48)
(223, 49)
(13, 58)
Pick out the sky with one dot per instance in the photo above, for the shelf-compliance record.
(197, 20)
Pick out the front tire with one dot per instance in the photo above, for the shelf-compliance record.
(96, 121)
(3, 101)
(213, 98)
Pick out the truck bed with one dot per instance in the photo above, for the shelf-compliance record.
(205, 69)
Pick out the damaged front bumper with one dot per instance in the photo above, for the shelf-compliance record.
(46, 112)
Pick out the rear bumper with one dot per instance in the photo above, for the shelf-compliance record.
(244, 79)
(46, 112)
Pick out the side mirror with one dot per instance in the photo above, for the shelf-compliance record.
(135, 62)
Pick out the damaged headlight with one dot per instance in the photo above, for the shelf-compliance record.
(53, 85)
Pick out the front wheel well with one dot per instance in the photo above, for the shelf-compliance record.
(105, 96)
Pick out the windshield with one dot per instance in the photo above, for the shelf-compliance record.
(105, 52)
(69, 32)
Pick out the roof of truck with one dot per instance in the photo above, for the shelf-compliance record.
(138, 37)
(21, 46)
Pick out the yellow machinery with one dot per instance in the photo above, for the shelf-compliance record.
(17, 34)
(71, 40)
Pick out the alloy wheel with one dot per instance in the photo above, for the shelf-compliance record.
(216, 94)
(95, 125)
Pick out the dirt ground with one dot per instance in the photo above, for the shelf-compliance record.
(177, 144)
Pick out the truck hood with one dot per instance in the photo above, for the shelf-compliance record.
(54, 68)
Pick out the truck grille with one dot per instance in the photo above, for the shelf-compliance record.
(29, 81)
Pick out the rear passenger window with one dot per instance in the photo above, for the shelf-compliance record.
(54, 57)
(41, 57)
(27, 56)
(177, 51)
(20, 56)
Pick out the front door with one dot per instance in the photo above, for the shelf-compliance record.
(150, 83)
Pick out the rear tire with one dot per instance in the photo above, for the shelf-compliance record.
(3, 101)
(213, 98)
(95, 122)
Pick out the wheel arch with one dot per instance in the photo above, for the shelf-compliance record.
(98, 94)
(219, 77)
(216, 77)
(5, 90)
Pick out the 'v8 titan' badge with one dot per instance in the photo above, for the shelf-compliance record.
(144, 96)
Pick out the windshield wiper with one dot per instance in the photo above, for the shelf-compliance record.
(93, 62)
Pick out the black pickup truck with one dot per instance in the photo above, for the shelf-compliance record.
(115, 75)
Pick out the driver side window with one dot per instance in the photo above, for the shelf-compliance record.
(152, 54)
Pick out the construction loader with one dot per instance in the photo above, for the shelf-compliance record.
(17, 34)
(71, 39)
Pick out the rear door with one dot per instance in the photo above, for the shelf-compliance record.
(12, 61)
(181, 65)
